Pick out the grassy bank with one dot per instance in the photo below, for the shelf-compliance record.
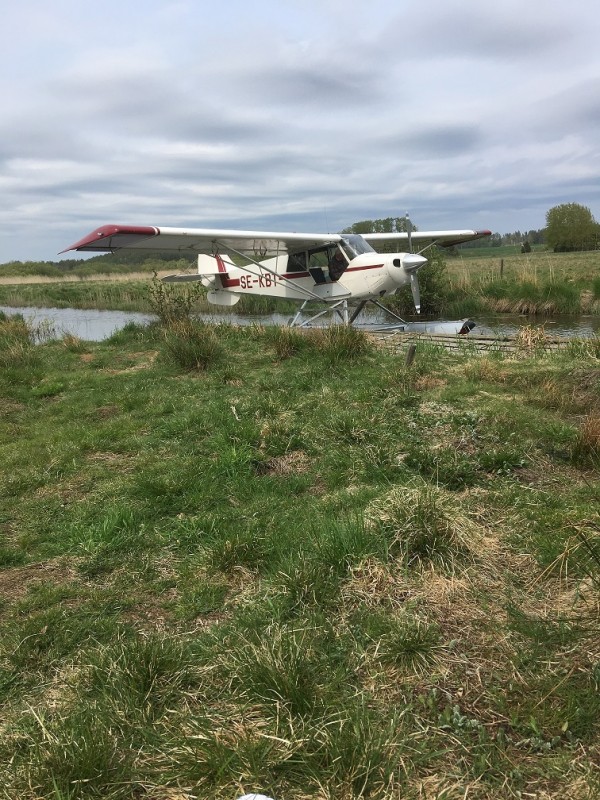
(126, 295)
(539, 283)
(531, 283)
(237, 560)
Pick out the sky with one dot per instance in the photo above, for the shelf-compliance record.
(293, 115)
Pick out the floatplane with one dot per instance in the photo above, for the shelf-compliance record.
(342, 272)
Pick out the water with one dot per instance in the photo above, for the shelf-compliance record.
(88, 324)
(94, 325)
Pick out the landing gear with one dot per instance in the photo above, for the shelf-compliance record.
(339, 309)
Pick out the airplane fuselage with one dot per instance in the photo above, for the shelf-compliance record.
(369, 275)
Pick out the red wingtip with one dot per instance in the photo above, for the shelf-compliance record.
(111, 237)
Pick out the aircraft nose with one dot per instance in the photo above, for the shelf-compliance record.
(412, 261)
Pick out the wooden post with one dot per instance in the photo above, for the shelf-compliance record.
(410, 354)
(501, 267)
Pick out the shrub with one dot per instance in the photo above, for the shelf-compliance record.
(172, 303)
(426, 524)
(287, 342)
(341, 342)
(192, 345)
(16, 343)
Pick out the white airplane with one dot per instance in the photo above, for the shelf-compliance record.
(332, 268)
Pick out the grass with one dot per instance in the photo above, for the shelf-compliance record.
(530, 283)
(541, 283)
(298, 567)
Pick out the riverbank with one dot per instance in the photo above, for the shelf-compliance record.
(237, 560)
(539, 284)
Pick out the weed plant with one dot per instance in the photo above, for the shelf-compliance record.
(171, 303)
(305, 569)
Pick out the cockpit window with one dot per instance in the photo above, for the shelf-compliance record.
(354, 245)
(297, 262)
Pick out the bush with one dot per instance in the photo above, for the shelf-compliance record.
(172, 303)
(16, 343)
(341, 342)
(192, 345)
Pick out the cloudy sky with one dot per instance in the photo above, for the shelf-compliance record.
(302, 115)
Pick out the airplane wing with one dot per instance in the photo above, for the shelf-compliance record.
(440, 238)
(258, 244)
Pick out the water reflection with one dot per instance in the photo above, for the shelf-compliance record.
(94, 325)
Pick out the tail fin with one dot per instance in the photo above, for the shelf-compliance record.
(214, 265)
(218, 268)
(213, 271)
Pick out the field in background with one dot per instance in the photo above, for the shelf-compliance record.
(539, 283)
(541, 265)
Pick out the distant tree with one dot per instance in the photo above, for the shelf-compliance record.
(571, 226)
(526, 247)
(385, 225)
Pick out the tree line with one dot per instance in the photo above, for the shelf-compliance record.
(569, 227)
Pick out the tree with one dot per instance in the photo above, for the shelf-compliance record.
(386, 225)
(571, 226)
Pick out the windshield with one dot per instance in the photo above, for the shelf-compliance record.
(354, 245)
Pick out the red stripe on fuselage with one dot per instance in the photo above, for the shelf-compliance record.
(229, 283)
(226, 283)
(359, 269)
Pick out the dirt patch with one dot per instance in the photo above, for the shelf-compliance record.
(294, 463)
(15, 582)
(104, 412)
(10, 407)
(145, 361)
(426, 382)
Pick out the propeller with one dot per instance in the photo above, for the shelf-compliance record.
(411, 264)
(414, 287)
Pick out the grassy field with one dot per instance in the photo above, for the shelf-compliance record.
(239, 560)
(538, 283)
(579, 268)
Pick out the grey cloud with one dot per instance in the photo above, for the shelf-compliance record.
(434, 142)
(314, 85)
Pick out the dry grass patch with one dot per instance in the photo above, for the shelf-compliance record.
(587, 446)
(425, 383)
(426, 523)
(295, 462)
(142, 361)
(15, 582)
(486, 370)
(375, 585)
(124, 461)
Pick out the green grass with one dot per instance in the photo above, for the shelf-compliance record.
(297, 567)
(540, 282)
